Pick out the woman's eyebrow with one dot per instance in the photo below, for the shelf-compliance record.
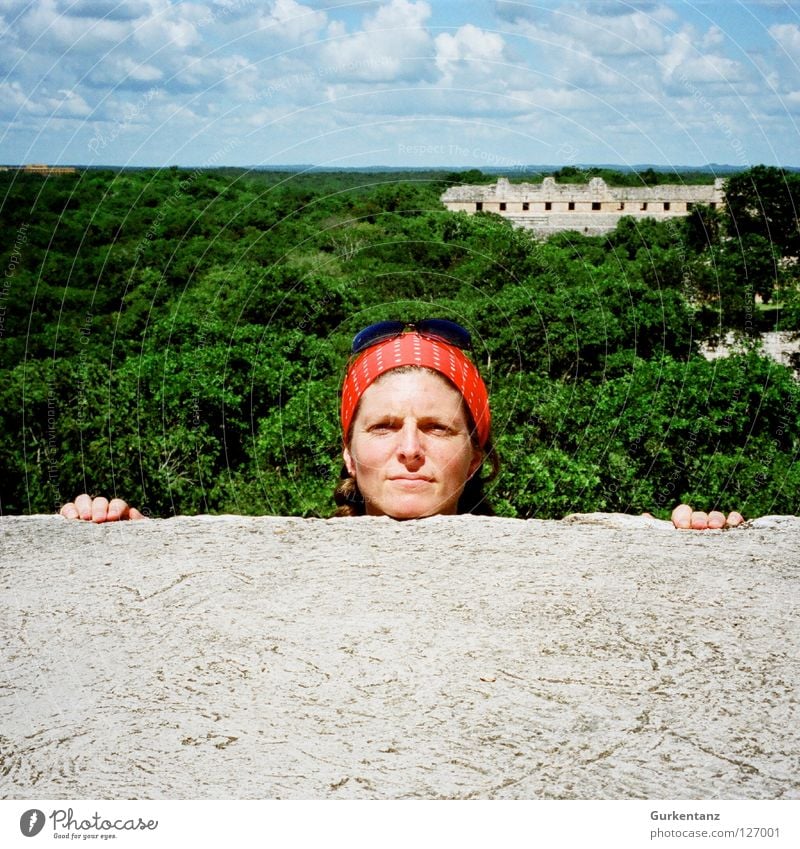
(448, 421)
(381, 418)
(392, 418)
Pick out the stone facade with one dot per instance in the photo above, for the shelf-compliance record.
(43, 170)
(592, 208)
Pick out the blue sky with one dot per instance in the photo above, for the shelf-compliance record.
(399, 82)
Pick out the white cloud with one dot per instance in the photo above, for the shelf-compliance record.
(63, 104)
(393, 45)
(42, 28)
(12, 99)
(471, 45)
(263, 116)
(554, 99)
(683, 62)
(141, 72)
(788, 37)
(616, 48)
(715, 37)
(208, 72)
(114, 10)
(336, 29)
(174, 27)
(711, 68)
(622, 35)
(633, 52)
(592, 29)
(290, 21)
(398, 14)
(792, 101)
(603, 76)
(124, 71)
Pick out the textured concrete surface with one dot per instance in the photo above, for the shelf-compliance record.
(228, 657)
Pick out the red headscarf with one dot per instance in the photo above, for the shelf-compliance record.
(411, 349)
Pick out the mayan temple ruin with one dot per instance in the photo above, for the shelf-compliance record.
(591, 208)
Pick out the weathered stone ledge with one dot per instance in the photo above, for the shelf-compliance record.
(230, 657)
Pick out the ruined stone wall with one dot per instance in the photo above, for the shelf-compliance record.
(591, 208)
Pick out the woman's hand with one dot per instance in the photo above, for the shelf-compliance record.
(685, 518)
(99, 509)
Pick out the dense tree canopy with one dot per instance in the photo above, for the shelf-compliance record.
(178, 337)
(765, 202)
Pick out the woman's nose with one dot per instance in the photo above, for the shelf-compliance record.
(409, 443)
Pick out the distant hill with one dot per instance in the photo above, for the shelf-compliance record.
(530, 168)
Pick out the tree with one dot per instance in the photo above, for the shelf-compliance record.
(179, 340)
(704, 227)
(765, 201)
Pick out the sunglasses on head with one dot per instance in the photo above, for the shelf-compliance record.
(431, 328)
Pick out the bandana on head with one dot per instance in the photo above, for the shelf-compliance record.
(411, 349)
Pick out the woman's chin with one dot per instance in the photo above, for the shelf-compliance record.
(415, 506)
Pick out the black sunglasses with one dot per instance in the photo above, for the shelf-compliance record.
(432, 328)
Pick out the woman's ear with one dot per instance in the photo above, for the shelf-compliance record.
(348, 461)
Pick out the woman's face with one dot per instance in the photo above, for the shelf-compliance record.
(410, 451)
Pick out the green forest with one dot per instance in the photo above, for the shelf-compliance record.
(177, 338)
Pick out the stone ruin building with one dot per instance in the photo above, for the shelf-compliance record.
(592, 208)
(43, 170)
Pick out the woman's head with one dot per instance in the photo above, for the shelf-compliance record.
(410, 405)
(420, 349)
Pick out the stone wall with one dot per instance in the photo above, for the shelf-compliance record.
(598, 657)
(782, 345)
(591, 208)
